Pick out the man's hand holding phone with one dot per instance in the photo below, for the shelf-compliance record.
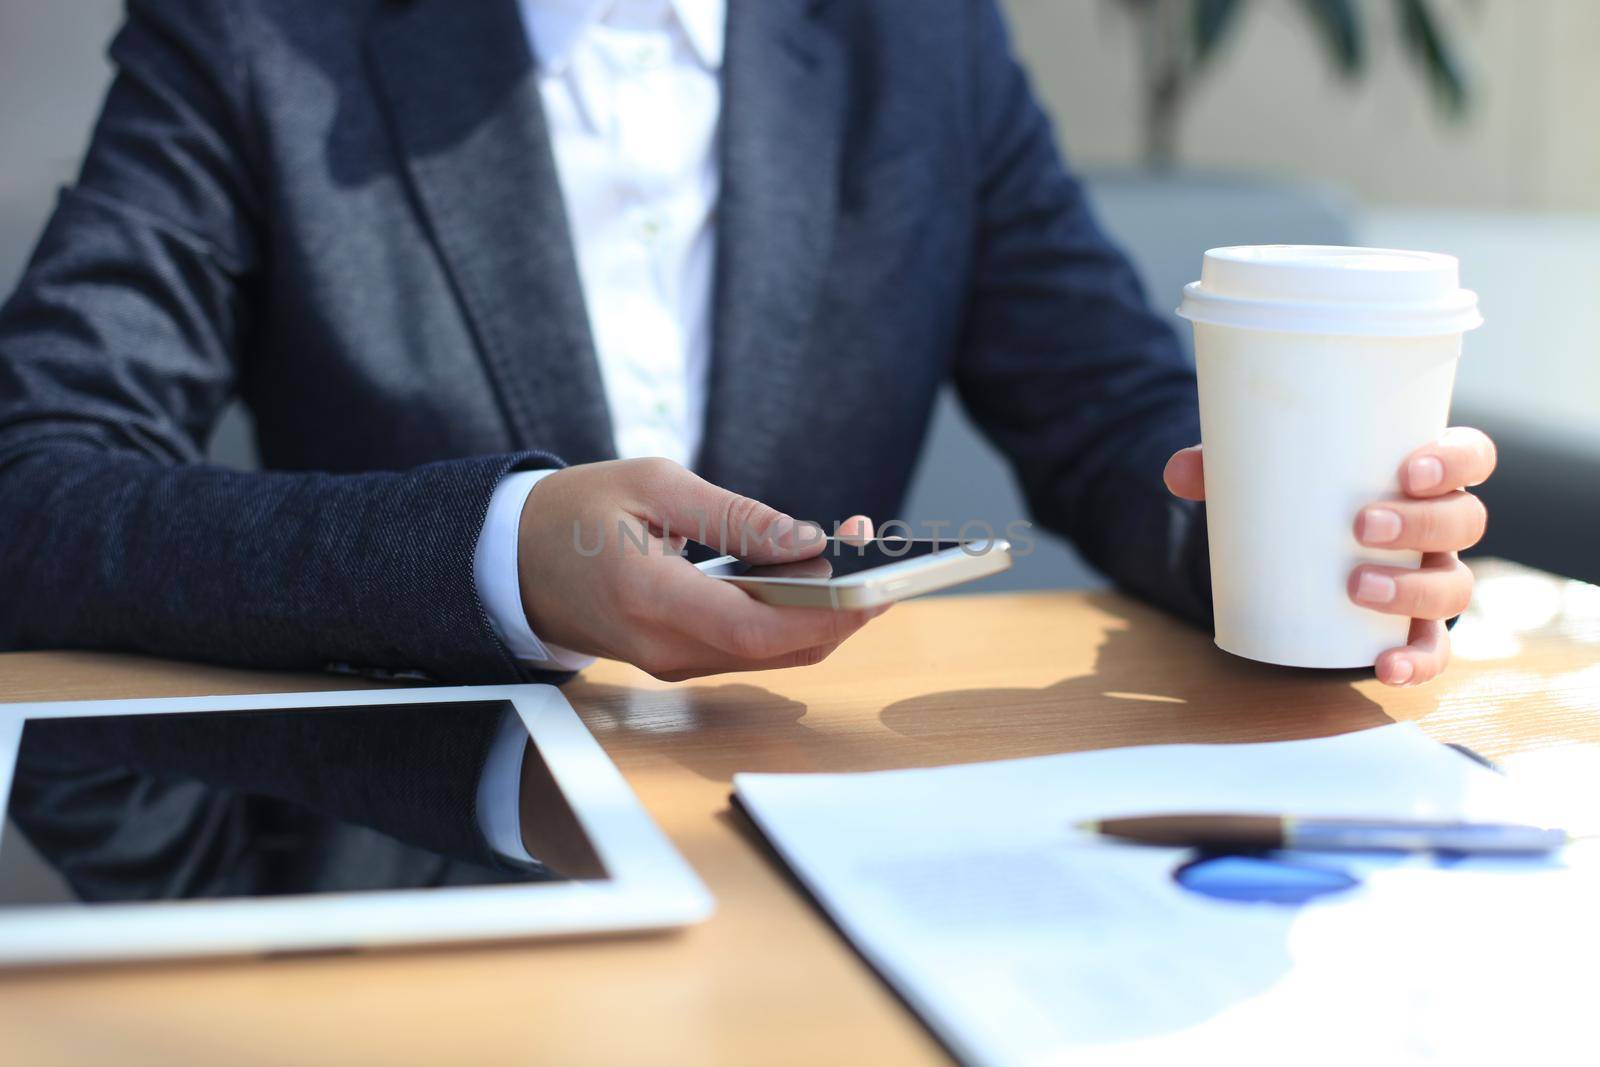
(600, 573)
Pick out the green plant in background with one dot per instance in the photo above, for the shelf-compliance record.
(1178, 38)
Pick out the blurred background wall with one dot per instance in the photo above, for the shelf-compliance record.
(1273, 143)
(1274, 103)
(52, 74)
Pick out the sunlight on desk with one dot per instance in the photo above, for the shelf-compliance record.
(1031, 674)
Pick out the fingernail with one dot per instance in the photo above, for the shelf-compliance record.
(1379, 526)
(1375, 588)
(1424, 472)
(1400, 672)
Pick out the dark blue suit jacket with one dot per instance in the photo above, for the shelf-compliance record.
(348, 214)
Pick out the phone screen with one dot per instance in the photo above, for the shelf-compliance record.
(839, 559)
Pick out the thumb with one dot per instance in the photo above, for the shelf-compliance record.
(681, 501)
(1186, 474)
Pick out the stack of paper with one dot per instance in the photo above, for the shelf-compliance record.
(1020, 940)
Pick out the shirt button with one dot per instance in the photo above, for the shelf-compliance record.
(646, 56)
(647, 228)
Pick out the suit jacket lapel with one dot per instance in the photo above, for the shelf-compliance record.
(782, 125)
(460, 82)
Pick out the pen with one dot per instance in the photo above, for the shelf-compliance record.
(1229, 831)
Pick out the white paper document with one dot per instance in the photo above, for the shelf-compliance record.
(1022, 941)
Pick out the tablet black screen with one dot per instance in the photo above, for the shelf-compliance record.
(191, 806)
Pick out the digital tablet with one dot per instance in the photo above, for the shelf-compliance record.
(312, 821)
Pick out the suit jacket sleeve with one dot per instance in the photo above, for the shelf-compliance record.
(1063, 365)
(117, 353)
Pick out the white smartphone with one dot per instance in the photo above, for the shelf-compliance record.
(848, 576)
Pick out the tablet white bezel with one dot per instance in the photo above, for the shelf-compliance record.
(651, 886)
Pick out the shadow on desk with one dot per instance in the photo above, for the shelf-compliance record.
(1143, 692)
(714, 731)
(1151, 682)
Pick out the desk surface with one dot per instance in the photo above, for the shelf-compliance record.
(934, 681)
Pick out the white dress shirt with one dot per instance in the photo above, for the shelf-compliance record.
(632, 95)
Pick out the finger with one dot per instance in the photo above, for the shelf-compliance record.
(815, 567)
(771, 633)
(805, 657)
(1426, 653)
(1460, 457)
(672, 498)
(1439, 589)
(1448, 523)
(856, 530)
(700, 660)
(736, 625)
(1185, 474)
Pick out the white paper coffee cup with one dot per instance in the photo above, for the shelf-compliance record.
(1321, 368)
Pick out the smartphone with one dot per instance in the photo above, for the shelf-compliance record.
(848, 576)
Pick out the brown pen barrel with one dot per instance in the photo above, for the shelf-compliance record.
(1197, 830)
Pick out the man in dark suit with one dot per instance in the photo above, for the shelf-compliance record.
(389, 226)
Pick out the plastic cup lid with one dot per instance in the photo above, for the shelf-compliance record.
(1331, 289)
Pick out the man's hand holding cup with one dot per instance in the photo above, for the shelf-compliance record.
(1435, 516)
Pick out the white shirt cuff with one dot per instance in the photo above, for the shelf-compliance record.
(495, 570)
(499, 800)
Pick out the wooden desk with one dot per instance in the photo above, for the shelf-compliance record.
(766, 980)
